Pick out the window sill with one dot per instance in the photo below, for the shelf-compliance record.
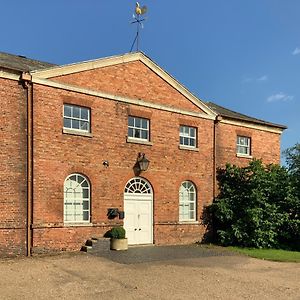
(78, 224)
(181, 147)
(138, 141)
(189, 222)
(75, 132)
(244, 156)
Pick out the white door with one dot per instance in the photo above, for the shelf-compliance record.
(138, 212)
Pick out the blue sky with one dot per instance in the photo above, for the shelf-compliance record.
(241, 54)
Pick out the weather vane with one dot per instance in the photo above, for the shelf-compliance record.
(138, 20)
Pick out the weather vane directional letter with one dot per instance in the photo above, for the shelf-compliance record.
(138, 20)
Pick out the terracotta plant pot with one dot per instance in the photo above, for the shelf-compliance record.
(118, 244)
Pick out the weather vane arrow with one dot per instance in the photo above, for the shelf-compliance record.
(138, 20)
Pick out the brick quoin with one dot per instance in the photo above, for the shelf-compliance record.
(56, 155)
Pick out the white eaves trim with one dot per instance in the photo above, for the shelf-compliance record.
(8, 75)
(115, 60)
(252, 126)
(138, 102)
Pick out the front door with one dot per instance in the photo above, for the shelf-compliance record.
(138, 213)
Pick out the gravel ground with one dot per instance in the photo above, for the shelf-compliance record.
(209, 276)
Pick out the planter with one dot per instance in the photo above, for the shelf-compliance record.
(118, 244)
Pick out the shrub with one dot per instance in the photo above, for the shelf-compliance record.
(256, 207)
(117, 233)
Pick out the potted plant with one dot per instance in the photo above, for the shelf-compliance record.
(118, 241)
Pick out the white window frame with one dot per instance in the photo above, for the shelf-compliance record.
(80, 119)
(137, 129)
(187, 202)
(243, 142)
(77, 199)
(186, 135)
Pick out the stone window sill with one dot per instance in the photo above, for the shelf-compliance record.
(78, 224)
(75, 132)
(189, 222)
(244, 156)
(181, 147)
(138, 141)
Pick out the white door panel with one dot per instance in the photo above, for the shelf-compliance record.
(138, 221)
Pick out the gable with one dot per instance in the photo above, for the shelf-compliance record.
(133, 76)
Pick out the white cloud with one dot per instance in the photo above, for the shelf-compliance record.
(296, 51)
(263, 78)
(253, 79)
(280, 97)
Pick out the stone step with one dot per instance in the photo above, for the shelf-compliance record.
(86, 248)
(96, 244)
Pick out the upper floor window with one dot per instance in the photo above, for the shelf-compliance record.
(77, 118)
(243, 145)
(138, 128)
(187, 202)
(76, 199)
(188, 136)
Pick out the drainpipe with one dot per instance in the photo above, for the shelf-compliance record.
(27, 84)
(216, 122)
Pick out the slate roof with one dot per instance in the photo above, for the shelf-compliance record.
(21, 63)
(230, 114)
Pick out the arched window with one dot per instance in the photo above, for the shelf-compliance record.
(138, 185)
(187, 202)
(76, 199)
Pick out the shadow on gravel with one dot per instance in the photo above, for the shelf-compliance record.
(152, 253)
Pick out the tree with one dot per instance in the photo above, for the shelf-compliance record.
(255, 207)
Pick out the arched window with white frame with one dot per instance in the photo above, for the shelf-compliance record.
(187, 202)
(76, 199)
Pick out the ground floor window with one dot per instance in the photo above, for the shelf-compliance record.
(187, 202)
(76, 199)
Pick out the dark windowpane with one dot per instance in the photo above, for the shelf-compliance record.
(130, 121)
(192, 132)
(76, 112)
(144, 123)
(137, 122)
(144, 134)
(130, 132)
(85, 184)
(85, 193)
(67, 110)
(137, 133)
(84, 114)
(75, 124)
(83, 125)
(85, 205)
(85, 216)
(67, 123)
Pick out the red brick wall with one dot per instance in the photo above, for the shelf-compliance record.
(133, 80)
(57, 155)
(12, 168)
(264, 145)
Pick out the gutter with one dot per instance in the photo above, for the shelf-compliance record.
(26, 81)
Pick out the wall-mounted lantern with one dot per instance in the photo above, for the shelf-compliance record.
(143, 162)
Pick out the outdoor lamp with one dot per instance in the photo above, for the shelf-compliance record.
(143, 162)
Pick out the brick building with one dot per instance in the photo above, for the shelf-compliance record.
(73, 140)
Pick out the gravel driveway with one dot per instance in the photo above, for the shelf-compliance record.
(149, 273)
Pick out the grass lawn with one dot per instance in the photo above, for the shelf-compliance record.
(270, 254)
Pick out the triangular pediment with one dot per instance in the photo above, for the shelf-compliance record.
(131, 75)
